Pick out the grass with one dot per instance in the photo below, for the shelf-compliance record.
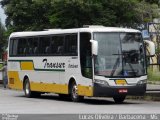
(154, 74)
(1, 65)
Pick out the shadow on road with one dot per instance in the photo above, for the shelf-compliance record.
(86, 100)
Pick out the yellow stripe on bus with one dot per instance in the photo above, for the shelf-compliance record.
(49, 87)
(16, 83)
(14, 80)
(85, 90)
(27, 65)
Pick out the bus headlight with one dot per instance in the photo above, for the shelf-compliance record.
(142, 82)
(101, 82)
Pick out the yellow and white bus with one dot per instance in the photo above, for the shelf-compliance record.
(93, 61)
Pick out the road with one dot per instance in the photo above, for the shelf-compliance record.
(14, 102)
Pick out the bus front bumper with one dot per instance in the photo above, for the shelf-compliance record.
(101, 90)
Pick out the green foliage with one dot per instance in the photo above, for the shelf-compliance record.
(157, 50)
(153, 74)
(2, 38)
(25, 15)
(76, 13)
(153, 1)
(146, 12)
(1, 66)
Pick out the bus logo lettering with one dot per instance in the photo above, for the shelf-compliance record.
(53, 65)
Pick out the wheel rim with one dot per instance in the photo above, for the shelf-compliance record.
(27, 88)
(75, 92)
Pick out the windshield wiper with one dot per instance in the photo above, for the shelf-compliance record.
(116, 64)
(132, 69)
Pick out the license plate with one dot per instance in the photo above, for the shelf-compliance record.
(121, 82)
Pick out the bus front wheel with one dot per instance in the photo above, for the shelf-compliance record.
(74, 93)
(119, 99)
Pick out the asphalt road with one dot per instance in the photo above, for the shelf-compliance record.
(12, 101)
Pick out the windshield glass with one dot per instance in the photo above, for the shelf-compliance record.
(120, 54)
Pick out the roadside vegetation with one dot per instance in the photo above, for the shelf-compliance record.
(154, 74)
(25, 15)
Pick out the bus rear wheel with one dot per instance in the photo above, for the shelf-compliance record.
(74, 93)
(119, 99)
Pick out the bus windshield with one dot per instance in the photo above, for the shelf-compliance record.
(120, 55)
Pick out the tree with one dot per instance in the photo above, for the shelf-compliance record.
(25, 15)
(146, 12)
(76, 13)
(126, 13)
(152, 1)
(2, 38)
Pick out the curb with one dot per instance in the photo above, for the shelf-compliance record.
(154, 82)
(150, 95)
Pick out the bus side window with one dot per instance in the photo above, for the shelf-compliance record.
(73, 50)
(15, 47)
(71, 45)
(11, 47)
(35, 46)
(21, 46)
(60, 49)
(25, 51)
(35, 51)
(44, 46)
(47, 50)
(30, 46)
(26, 48)
(30, 51)
(53, 48)
(58, 44)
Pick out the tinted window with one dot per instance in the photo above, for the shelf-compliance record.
(57, 46)
(36, 47)
(71, 44)
(48, 45)
(14, 47)
(44, 45)
(11, 47)
(85, 55)
(21, 46)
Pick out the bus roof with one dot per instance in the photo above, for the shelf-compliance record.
(75, 30)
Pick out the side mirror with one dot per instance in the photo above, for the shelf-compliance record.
(94, 45)
(150, 48)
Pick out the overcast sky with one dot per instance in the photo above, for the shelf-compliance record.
(2, 15)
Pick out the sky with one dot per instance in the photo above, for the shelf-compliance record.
(2, 16)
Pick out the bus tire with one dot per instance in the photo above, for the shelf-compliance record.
(74, 93)
(27, 90)
(119, 99)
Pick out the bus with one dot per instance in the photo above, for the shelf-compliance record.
(93, 61)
